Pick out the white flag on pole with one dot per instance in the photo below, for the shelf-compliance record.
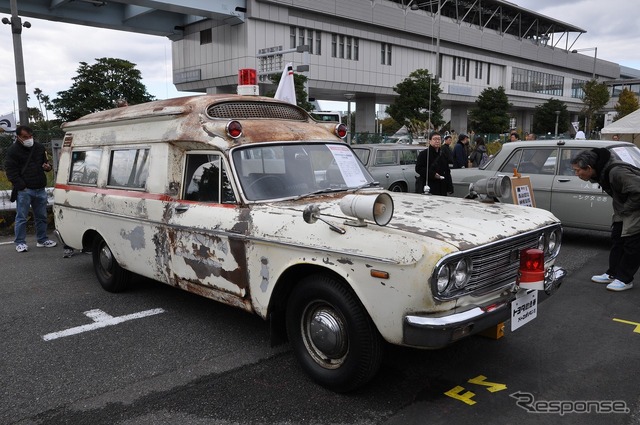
(286, 89)
(8, 122)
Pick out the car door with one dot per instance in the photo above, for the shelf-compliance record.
(408, 159)
(205, 237)
(539, 164)
(579, 203)
(385, 168)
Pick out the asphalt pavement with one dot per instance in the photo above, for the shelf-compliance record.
(75, 354)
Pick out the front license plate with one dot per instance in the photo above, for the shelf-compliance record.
(524, 309)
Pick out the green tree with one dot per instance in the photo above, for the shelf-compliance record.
(491, 114)
(544, 117)
(627, 103)
(299, 82)
(412, 104)
(97, 87)
(390, 126)
(596, 96)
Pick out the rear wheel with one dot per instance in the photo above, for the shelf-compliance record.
(110, 274)
(397, 187)
(332, 335)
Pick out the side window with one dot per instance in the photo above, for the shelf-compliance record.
(129, 168)
(85, 166)
(566, 156)
(386, 157)
(206, 179)
(512, 162)
(408, 156)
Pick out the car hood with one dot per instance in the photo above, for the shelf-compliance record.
(418, 220)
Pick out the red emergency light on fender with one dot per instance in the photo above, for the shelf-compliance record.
(531, 273)
(341, 131)
(248, 82)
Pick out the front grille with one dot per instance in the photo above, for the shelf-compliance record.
(494, 266)
(240, 110)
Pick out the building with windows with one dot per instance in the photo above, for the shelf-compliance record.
(364, 48)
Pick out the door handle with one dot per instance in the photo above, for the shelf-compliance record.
(181, 208)
(564, 180)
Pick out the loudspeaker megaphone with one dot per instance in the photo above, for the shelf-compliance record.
(378, 208)
(495, 187)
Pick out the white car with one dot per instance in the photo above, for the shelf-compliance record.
(555, 186)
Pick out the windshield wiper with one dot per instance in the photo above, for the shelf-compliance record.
(318, 192)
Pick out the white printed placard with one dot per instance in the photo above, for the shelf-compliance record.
(348, 165)
(524, 309)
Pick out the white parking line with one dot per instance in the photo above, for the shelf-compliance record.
(101, 320)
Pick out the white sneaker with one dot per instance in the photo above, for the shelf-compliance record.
(602, 278)
(46, 244)
(22, 247)
(618, 285)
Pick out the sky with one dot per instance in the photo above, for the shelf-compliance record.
(53, 50)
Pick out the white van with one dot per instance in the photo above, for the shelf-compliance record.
(250, 202)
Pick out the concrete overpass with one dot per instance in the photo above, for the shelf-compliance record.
(156, 17)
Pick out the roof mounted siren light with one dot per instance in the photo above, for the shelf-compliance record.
(248, 82)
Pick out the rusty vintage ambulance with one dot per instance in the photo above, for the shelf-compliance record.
(249, 201)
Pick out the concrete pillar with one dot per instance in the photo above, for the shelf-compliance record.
(365, 114)
(459, 120)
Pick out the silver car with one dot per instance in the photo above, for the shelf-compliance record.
(392, 165)
(555, 186)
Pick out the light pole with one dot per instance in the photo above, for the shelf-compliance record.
(595, 58)
(349, 96)
(16, 29)
(557, 117)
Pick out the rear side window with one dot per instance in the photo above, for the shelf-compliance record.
(408, 156)
(386, 157)
(129, 168)
(85, 166)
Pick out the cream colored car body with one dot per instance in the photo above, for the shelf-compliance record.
(251, 253)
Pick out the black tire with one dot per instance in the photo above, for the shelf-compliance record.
(352, 357)
(397, 187)
(111, 276)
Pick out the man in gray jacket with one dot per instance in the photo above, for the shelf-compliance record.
(621, 181)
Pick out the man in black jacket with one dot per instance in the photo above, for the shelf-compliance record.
(25, 165)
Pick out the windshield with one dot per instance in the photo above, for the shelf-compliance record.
(281, 171)
(630, 154)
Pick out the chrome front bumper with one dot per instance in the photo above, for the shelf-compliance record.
(435, 331)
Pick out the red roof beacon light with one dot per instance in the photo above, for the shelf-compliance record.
(248, 82)
(341, 131)
(532, 269)
(234, 129)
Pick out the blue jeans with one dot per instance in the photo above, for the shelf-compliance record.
(36, 198)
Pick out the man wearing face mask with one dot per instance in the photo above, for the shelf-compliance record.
(25, 164)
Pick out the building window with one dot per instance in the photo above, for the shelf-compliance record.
(206, 36)
(356, 50)
(478, 70)
(536, 82)
(304, 36)
(349, 42)
(334, 45)
(341, 47)
(577, 88)
(385, 54)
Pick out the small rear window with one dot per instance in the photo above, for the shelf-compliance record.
(85, 166)
(129, 168)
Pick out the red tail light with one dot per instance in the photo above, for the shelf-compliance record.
(341, 131)
(532, 269)
(234, 129)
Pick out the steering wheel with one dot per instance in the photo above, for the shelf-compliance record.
(270, 186)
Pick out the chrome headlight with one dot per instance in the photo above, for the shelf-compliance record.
(462, 273)
(443, 278)
(554, 242)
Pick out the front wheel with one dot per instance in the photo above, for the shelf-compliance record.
(332, 335)
(110, 274)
